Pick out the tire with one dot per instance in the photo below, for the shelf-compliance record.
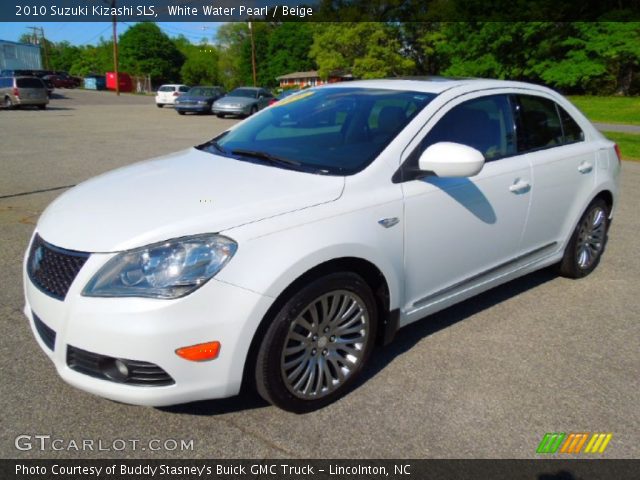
(159, 105)
(587, 242)
(254, 109)
(180, 112)
(43, 106)
(220, 115)
(302, 363)
(8, 103)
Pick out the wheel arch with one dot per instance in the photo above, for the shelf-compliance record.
(371, 274)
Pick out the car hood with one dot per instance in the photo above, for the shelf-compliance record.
(185, 193)
(236, 101)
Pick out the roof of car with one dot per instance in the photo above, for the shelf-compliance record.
(432, 84)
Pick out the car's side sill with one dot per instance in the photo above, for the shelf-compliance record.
(505, 268)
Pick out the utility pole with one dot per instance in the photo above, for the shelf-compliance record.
(115, 47)
(253, 55)
(40, 40)
(46, 49)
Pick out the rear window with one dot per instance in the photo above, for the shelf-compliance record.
(29, 83)
(572, 132)
(165, 88)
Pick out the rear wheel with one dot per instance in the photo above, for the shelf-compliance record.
(43, 106)
(159, 105)
(8, 103)
(318, 343)
(220, 115)
(587, 243)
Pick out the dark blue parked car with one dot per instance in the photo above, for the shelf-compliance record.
(198, 99)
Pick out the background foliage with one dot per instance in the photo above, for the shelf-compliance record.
(598, 58)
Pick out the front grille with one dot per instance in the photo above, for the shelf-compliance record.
(53, 269)
(48, 335)
(104, 367)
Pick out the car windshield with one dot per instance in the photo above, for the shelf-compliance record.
(201, 92)
(243, 92)
(336, 131)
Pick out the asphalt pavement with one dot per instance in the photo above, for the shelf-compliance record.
(484, 379)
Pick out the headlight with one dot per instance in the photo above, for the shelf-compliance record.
(169, 269)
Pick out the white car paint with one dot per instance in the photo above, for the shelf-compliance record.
(455, 237)
(172, 92)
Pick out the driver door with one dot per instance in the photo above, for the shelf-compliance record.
(460, 230)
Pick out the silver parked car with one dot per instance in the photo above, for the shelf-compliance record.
(18, 91)
(243, 101)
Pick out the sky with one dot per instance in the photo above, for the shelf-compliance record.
(86, 33)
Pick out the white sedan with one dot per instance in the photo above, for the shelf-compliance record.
(282, 250)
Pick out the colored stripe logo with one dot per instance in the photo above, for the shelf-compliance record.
(573, 443)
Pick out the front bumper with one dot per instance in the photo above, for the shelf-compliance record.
(149, 330)
(224, 109)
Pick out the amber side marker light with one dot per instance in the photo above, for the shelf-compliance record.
(201, 352)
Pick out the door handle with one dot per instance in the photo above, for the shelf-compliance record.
(585, 167)
(521, 186)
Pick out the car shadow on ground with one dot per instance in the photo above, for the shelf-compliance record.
(405, 340)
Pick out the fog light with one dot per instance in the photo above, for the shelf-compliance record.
(122, 367)
(115, 369)
(201, 352)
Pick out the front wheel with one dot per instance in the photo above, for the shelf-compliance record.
(587, 242)
(318, 343)
(8, 103)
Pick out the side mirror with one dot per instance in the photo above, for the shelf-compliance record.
(447, 159)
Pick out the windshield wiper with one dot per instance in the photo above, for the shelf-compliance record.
(212, 143)
(266, 156)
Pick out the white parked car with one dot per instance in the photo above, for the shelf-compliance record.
(167, 94)
(282, 250)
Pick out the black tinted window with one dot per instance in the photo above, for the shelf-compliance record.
(30, 83)
(484, 123)
(538, 123)
(572, 132)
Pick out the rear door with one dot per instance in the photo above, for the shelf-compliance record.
(31, 89)
(563, 169)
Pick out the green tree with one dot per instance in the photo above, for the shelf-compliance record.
(288, 49)
(598, 57)
(231, 39)
(146, 50)
(367, 49)
(93, 59)
(201, 65)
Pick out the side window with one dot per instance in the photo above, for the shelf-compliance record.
(572, 132)
(485, 124)
(538, 124)
(183, 89)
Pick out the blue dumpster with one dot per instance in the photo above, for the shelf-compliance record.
(95, 82)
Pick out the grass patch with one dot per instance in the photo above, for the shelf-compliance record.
(629, 144)
(609, 109)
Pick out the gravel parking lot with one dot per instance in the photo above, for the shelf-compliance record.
(485, 379)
